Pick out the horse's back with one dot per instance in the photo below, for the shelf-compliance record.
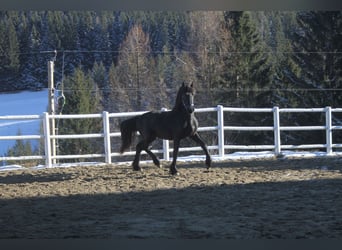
(156, 124)
(167, 125)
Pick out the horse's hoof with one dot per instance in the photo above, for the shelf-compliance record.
(174, 172)
(208, 163)
(137, 168)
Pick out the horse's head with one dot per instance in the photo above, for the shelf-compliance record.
(187, 93)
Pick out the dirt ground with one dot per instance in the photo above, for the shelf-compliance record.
(288, 198)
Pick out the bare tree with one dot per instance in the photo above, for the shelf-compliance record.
(134, 65)
(211, 41)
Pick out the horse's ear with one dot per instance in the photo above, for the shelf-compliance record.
(191, 84)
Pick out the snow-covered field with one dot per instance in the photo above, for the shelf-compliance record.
(21, 103)
(237, 156)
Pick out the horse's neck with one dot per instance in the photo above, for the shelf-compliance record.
(178, 105)
(179, 109)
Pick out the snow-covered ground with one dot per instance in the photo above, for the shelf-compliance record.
(194, 158)
(21, 103)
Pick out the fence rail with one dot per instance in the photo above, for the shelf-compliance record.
(220, 127)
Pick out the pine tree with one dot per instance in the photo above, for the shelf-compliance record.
(249, 72)
(30, 73)
(250, 66)
(13, 49)
(278, 26)
(158, 30)
(99, 41)
(118, 99)
(82, 97)
(20, 148)
(9, 48)
(3, 44)
(117, 33)
(317, 43)
(100, 76)
(165, 76)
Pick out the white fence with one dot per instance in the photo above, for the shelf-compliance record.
(218, 128)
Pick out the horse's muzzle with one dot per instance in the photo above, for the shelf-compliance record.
(191, 109)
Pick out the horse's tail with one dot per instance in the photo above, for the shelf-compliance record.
(127, 128)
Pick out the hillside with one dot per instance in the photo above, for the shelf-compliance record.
(21, 103)
(241, 58)
(135, 60)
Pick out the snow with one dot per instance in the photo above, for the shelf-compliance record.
(259, 156)
(21, 103)
(194, 158)
(11, 167)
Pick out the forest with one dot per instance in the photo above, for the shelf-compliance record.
(135, 60)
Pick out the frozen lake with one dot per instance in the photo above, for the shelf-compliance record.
(21, 103)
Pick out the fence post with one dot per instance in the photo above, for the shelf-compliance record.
(276, 128)
(106, 135)
(47, 141)
(328, 129)
(220, 130)
(166, 146)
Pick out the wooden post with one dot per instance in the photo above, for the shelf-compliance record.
(220, 130)
(47, 142)
(106, 132)
(166, 145)
(51, 95)
(276, 127)
(328, 130)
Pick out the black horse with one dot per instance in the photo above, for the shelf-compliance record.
(174, 125)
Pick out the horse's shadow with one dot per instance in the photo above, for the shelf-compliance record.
(30, 178)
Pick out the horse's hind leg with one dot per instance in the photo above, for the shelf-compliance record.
(147, 148)
(153, 156)
(144, 145)
(173, 168)
(139, 147)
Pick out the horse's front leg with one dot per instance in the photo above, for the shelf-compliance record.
(173, 169)
(198, 139)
